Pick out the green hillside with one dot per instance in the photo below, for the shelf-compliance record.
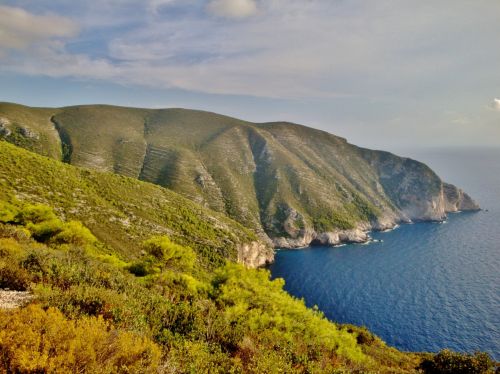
(120, 211)
(147, 288)
(287, 182)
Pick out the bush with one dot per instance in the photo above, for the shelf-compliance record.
(8, 212)
(448, 362)
(13, 277)
(74, 232)
(45, 230)
(9, 247)
(200, 357)
(363, 335)
(35, 340)
(169, 254)
(35, 214)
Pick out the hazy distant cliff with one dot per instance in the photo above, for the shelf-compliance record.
(292, 184)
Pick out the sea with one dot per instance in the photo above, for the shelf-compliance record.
(420, 287)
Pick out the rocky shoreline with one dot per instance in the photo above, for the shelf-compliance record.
(450, 200)
(359, 235)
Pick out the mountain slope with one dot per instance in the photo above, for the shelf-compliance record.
(290, 183)
(122, 212)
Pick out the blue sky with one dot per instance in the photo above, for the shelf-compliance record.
(385, 74)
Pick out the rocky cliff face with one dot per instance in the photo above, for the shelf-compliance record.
(457, 200)
(291, 184)
(255, 254)
(416, 194)
(330, 238)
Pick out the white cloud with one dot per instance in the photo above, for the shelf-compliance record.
(294, 48)
(232, 8)
(495, 104)
(20, 29)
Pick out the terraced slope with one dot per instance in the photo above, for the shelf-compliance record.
(122, 211)
(288, 182)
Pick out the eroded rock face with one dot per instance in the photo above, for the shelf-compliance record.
(28, 133)
(456, 200)
(4, 127)
(303, 239)
(431, 205)
(311, 237)
(255, 254)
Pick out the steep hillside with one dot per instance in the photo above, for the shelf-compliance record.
(122, 211)
(290, 183)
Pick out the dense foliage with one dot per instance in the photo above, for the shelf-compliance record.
(36, 340)
(121, 212)
(448, 362)
(167, 318)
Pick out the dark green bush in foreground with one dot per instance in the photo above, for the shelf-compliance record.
(448, 362)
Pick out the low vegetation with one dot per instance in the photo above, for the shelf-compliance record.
(34, 339)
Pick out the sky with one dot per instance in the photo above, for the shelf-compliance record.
(385, 74)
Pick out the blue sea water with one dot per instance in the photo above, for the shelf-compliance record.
(427, 286)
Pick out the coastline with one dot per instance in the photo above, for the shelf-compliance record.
(358, 235)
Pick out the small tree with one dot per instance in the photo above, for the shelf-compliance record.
(169, 254)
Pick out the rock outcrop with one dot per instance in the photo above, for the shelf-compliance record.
(457, 200)
(14, 299)
(255, 254)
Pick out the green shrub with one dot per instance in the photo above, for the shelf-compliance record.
(333, 220)
(18, 233)
(448, 362)
(169, 254)
(256, 307)
(45, 230)
(200, 358)
(9, 247)
(363, 335)
(8, 212)
(73, 232)
(35, 214)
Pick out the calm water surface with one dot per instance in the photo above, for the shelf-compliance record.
(426, 286)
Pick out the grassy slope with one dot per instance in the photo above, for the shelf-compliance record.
(258, 174)
(121, 211)
(37, 120)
